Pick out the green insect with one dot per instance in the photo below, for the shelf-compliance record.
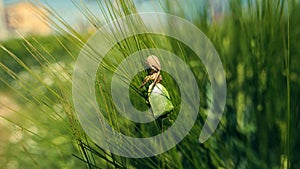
(158, 96)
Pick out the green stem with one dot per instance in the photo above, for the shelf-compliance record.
(287, 59)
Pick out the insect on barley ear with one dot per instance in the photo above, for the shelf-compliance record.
(158, 96)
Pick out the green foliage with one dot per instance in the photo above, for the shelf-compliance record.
(258, 45)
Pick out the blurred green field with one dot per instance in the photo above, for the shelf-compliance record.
(258, 42)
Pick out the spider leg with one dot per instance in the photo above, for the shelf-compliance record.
(156, 78)
(147, 78)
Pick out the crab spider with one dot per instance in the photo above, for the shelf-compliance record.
(153, 66)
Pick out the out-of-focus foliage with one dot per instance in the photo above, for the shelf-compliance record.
(49, 46)
(258, 42)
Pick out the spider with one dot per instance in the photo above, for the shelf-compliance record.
(153, 67)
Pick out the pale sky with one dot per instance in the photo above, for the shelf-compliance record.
(71, 14)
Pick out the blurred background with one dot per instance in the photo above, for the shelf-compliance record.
(21, 16)
(258, 42)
